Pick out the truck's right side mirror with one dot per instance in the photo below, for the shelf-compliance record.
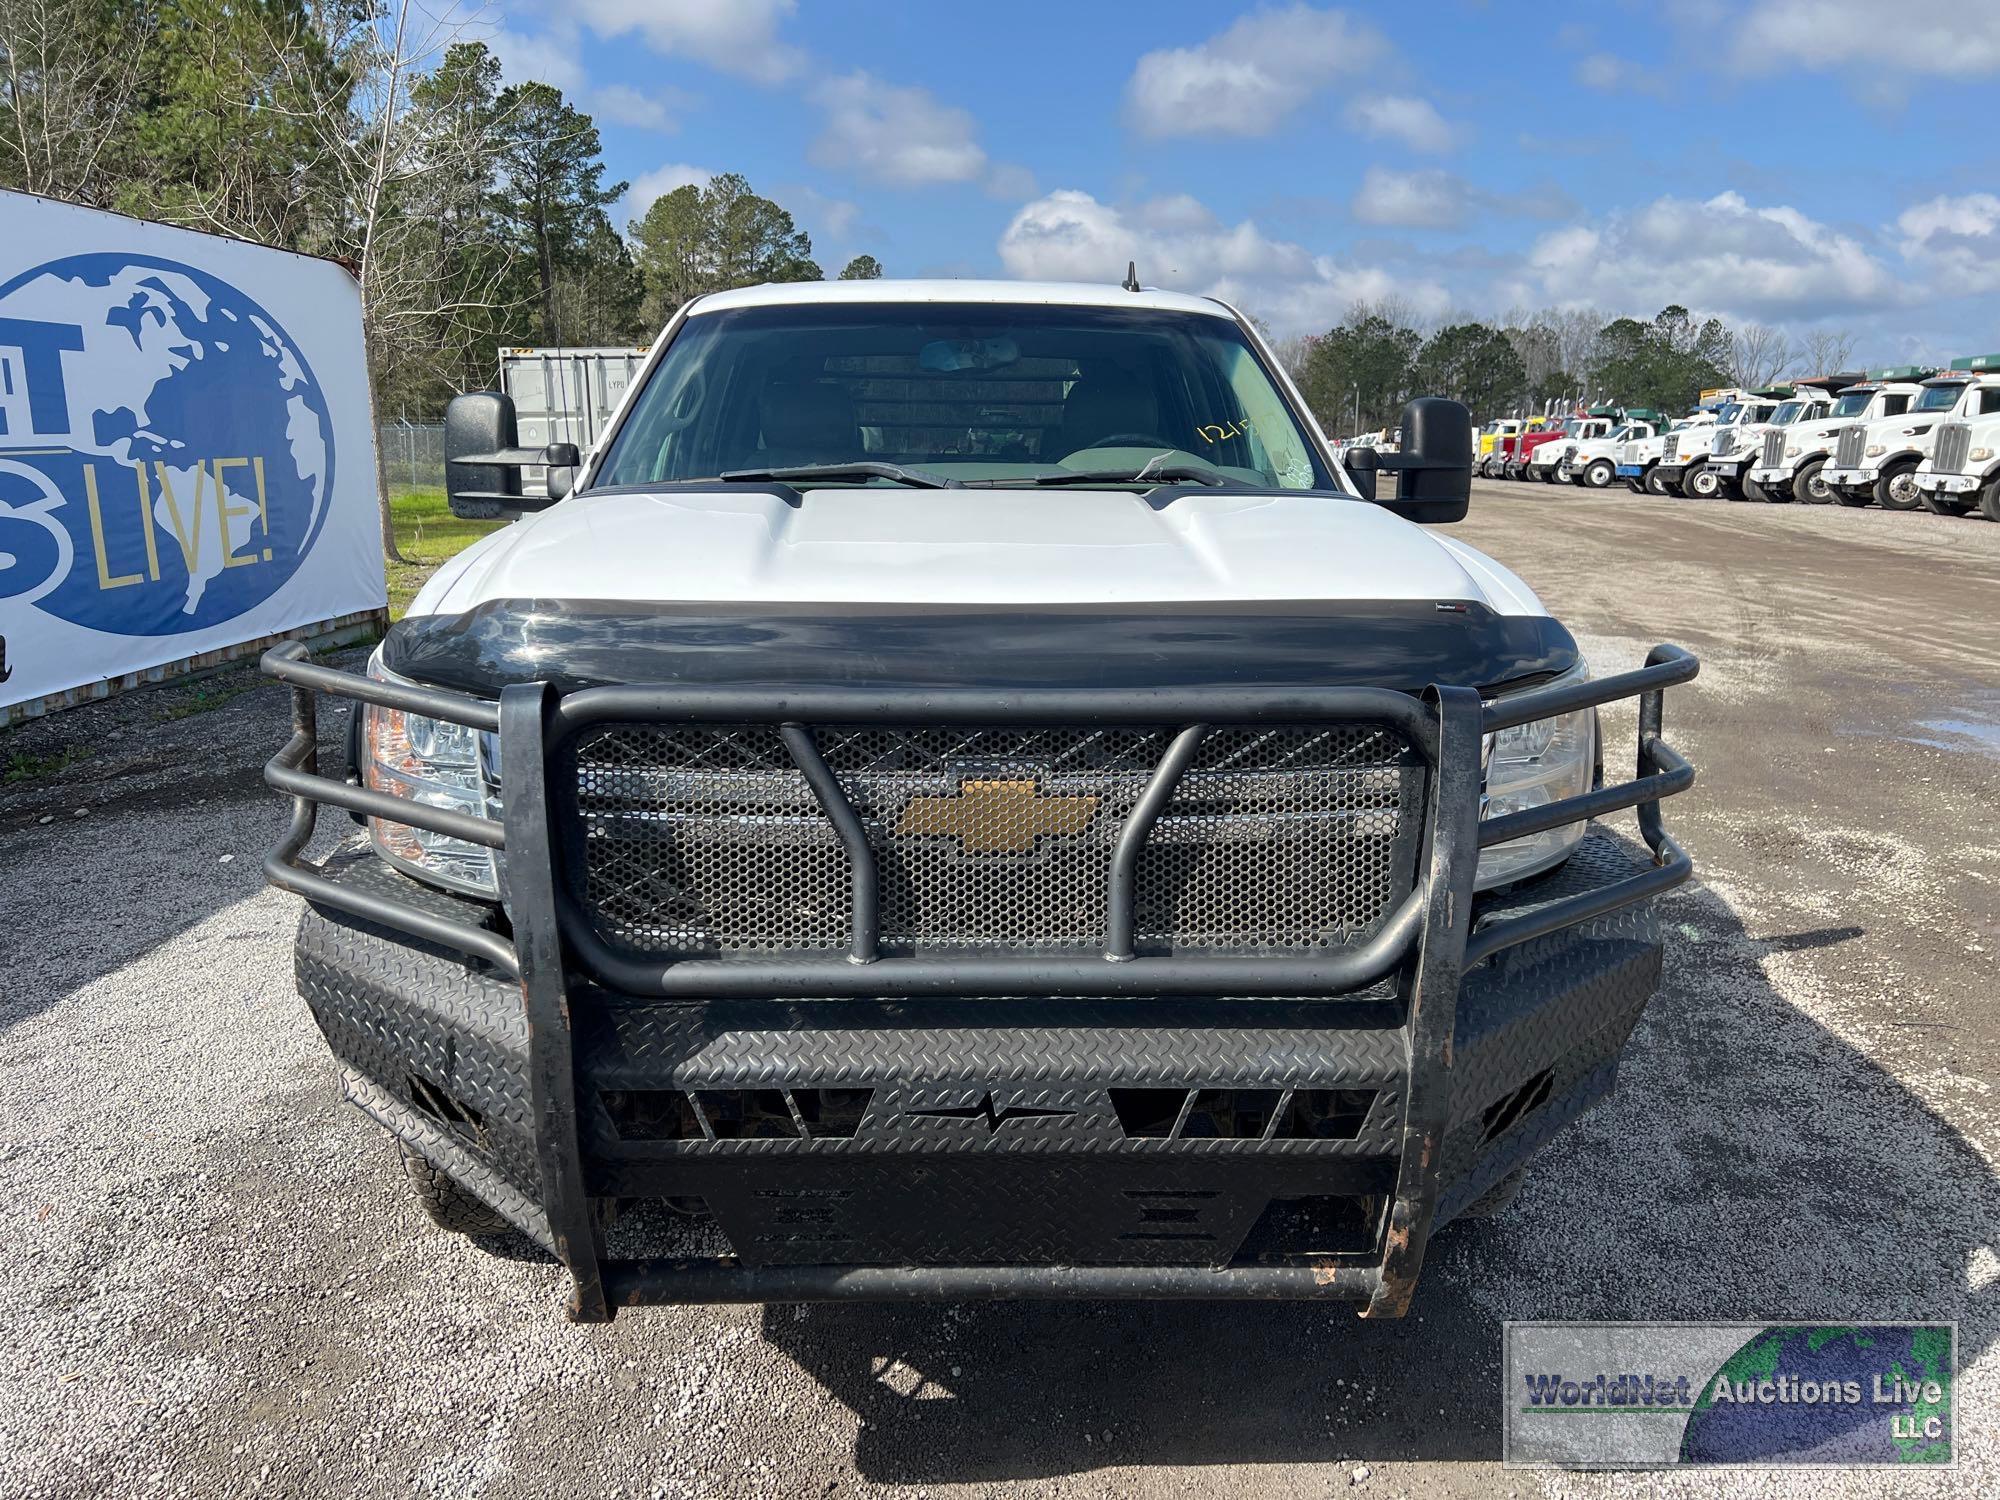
(1434, 478)
(483, 459)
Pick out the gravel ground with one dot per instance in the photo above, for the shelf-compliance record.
(220, 1286)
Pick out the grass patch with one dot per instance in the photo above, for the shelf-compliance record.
(429, 535)
(22, 766)
(206, 696)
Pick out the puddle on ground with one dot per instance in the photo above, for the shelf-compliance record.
(1972, 724)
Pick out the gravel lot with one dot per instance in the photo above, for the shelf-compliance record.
(219, 1285)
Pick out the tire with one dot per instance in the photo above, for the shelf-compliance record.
(1700, 482)
(1809, 487)
(1599, 474)
(1896, 487)
(1496, 1198)
(1989, 499)
(1751, 490)
(1651, 483)
(450, 1206)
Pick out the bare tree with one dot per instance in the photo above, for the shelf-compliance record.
(1759, 354)
(1823, 351)
(67, 81)
(401, 175)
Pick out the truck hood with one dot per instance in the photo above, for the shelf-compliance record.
(940, 589)
(874, 545)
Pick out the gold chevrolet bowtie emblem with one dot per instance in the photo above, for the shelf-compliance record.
(997, 817)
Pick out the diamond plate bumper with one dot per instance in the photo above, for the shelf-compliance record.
(873, 1124)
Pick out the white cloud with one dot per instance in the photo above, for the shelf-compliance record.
(1396, 117)
(1610, 74)
(1413, 200)
(1246, 80)
(819, 214)
(1722, 255)
(1178, 243)
(1010, 183)
(1959, 238)
(549, 57)
(649, 186)
(645, 109)
(1945, 38)
(739, 37)
(898, 135)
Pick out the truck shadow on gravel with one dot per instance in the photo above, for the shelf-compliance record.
(1751, 1165)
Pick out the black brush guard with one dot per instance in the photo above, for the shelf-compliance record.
(554, 951)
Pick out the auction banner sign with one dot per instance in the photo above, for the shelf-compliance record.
(1729, 1395)
(187, 449)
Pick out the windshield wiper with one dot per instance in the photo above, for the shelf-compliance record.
(860, 469)
(1147, 474)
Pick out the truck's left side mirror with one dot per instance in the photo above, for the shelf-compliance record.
(483, 459)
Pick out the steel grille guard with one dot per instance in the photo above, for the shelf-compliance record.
(1430, 935)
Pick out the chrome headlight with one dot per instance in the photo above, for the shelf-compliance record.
(1532, 765)
(1792, 451)
(1980, 455)
(1875, 450)
(436, 764)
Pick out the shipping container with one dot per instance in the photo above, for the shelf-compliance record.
(565, 396)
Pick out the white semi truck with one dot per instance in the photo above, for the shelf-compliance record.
(1593, 462)
(1684, 467)
(1736, 452)
(1878, 461)
(1792, 463)
(1962, 470)
(1639, 459)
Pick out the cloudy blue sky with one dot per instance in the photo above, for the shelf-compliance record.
(1805, 163)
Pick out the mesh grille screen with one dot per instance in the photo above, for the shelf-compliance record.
(1774, 449)
(1848, 455)
(708, 840)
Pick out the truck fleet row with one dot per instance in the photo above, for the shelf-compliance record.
(1903, 437)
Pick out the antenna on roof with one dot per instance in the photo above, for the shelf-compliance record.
(1131, 281)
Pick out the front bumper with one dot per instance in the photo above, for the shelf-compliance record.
(899, 1128)
(1771, 477)
(1851, 479)
(1631, 471)
(1949, 484)
(1727, 464)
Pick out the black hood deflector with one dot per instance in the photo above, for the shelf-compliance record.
(1399, 643)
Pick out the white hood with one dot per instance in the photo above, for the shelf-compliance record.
(908, 546)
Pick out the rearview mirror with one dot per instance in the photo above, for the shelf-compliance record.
(483, 460)
(1433, 470)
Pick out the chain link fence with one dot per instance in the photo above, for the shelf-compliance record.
(412, 454)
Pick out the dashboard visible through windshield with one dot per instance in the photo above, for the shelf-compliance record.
(963, 391)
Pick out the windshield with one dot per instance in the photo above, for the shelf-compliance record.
(1852, 405)
(1940, 397)
(963, 391)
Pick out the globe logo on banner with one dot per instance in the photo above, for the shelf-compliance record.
(166, 456)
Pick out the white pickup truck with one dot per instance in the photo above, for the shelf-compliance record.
(1683, 468)
(1878, 461)
(1962, 470)
(962, 792)
(1791, 465)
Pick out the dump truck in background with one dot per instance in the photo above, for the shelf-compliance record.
(565, 396)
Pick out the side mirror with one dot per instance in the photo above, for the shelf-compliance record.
(1433, 470)
(483, 460)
